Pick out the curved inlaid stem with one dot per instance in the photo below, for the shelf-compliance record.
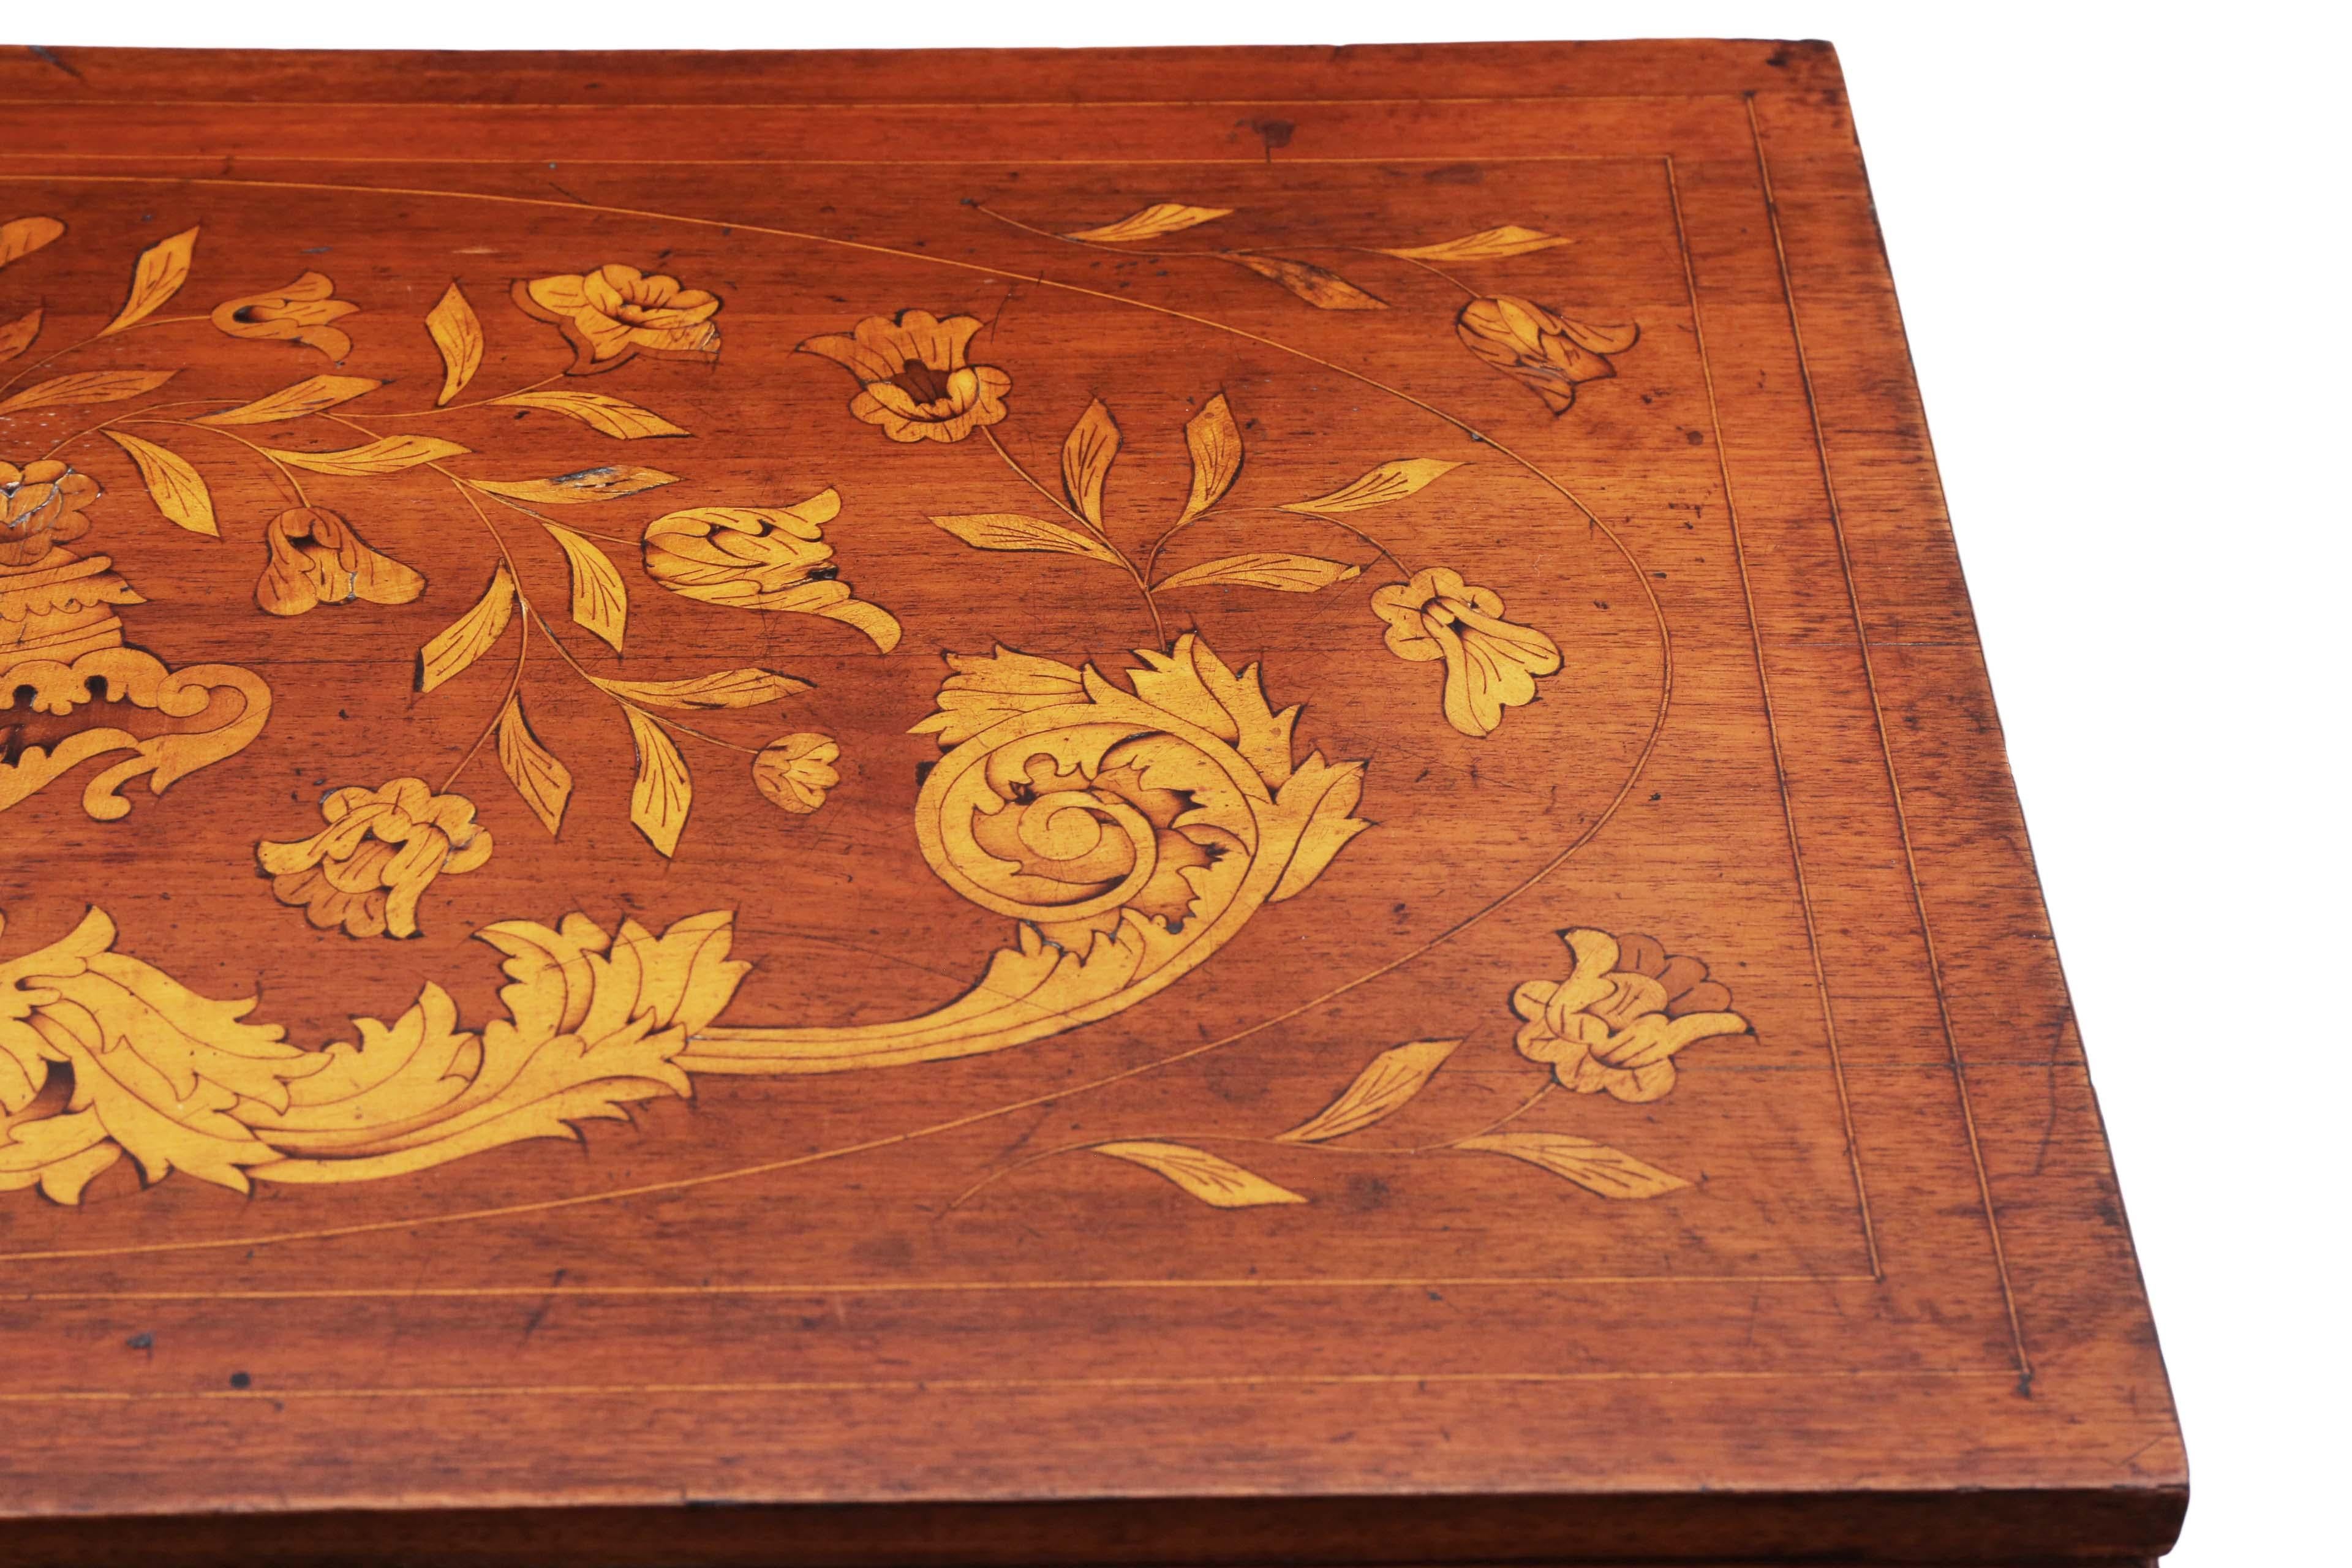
(1142, 585)
(1217, 513)
(94, 338)
(498, 716)
(472, 403)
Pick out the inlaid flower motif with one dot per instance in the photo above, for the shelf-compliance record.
(1548, 352)
(317, 558)
(1616, 1022)
(913, 378)
(616, 312)
(380, 850)
(43, 501)
(796, 771)
(761, 558)
(304, 312)
(1491, 664)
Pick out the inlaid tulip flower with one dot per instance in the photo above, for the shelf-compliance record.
(304, 312)
(913, 378)
(762, 558)
(796, 771)
(1545, 352)
(616, 312)
(41, 505)
(380, 850)
(1615, 1023)
(317, 558)
(1491, 663)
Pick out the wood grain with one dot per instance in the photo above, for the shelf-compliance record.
(1114, 806)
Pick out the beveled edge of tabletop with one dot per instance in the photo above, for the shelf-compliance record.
(1988, 1528)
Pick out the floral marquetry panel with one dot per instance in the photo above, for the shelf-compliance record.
(1130, 807)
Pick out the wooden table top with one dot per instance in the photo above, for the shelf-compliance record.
(1029, 807)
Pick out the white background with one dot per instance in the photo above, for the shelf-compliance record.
(2118, 244)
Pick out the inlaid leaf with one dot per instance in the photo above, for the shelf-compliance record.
(1595, 1167)
(600, 600)
(1215, 442)
(456, 331)
(1011, 530)
(19, 237)
(1337, 789)
(1218, 1183)
(385, 455)
(1486, 244)
(87, 386)
(1191, 681)
(19, 336)
(665, 790)
(1282, 573)
(746, 687)
(1394, 1077)
(538, 775)
(606, 416)
(299, 401)
(878, 624)
(1323, 289)
(165, 1072)
(178, 489)
(59, 1153)
(1390, 481)
(1087, 457)
(589, 484)
(470, 636)
(181, 1082)
(24, 1065)
(161, 268)
(1151, 223)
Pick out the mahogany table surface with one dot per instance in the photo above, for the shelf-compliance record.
(1031, 807)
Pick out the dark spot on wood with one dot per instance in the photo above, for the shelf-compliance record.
(1273, 133)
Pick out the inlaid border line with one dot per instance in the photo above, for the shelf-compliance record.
(536, 1293)
(295, 104)
(1772, 729)
(211, 160)
(1886, 751)
(979, 1384)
